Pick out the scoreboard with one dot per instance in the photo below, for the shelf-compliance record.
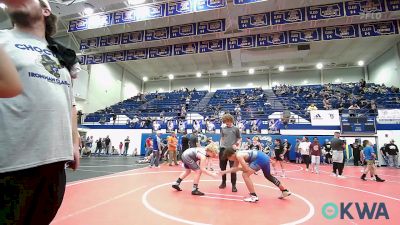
(358, 125)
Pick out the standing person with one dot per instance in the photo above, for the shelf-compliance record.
(251, 162)
(369, 155)
(230, 138)
(287, 146)
(337, 155)
(32, 169)
(149, 146)
(127, 142)
(196, 159)
(120, 147)
(392, 152)
(298, 153)
(107, 141)
(185, 142)
(256, 145)
(98, 147)
(328, 151)
(304, 148)
(315, 148)
(156, 150)
(194, 140)
(279, 156)
(356, 152)
(172, 148)
(384, 154)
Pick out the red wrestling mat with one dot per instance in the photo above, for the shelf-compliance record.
(145, 197)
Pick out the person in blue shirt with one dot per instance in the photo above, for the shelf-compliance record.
(155, 160)
(369, 156)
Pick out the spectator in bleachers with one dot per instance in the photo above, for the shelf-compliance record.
(353, 109)
(310, 108)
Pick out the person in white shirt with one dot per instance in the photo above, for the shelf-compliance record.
(304, 148)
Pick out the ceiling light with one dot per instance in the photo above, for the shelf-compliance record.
(171, 76)
(305, 82)
(198, 74)
(251, 71)
(136, 2)
(224, 73)
(3, 6)
(160, 90)
(145, 79)
(337, 81)
(320, 66)
(281, 68)
(250, 84)
(228, 85)
(360, 63)
(89, 9)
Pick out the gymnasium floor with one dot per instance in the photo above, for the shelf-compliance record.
(115, 191)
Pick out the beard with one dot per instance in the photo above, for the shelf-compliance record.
(51, 25)
(27, 19)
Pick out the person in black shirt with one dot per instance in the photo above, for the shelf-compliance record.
(328, 151)
(107, 142)
(194, 140)
(384, 154)
(279, 155)
(356, 152)
(256, 145)
(286, 146)
(392, 152)
(185, 142)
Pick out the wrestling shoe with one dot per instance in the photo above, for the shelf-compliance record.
(234, 189)
(223, 185)
(197, 192)
(252, 199)
(285, 194)
(176, 187)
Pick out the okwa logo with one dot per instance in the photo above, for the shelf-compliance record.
(351, 210)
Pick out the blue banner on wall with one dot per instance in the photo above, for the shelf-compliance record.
(89, 43)
(241, 42)
(132, 37)
(360, 7)
(82, 59)
(180, 7)
(136, 54)
(256, 20)
(304, 36)
(340, 32)
(140, 13)
(157, 34)
(209, 27)
(110, 40)
(186, 49)
(272, 39)
(212, 45)
(242, 2)
(204, 5)
(393, 5)
(288, 16)
(92, 22)
(94, 59)
(325, 11)
(117, 56)
(183, 30)
(158, 52)
(379, 28)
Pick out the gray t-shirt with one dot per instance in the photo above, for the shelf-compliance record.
(229, 136)
(337, 144)
(193, 140)
(35, 125)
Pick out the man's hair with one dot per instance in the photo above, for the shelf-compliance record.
(228, 152)
(227, 118)
(365, 143)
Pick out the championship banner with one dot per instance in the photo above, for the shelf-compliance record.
(253, 21)
(272, 39)
(132, 37)
(186, 49)
(140, 13)
(158, 52)
(362, 7)
(323, 12)
(89, 43)
(136, 54)
(255, 126)
(274, 126)
(242, 126)
(210, 127)
(182, 127)
(212, 46)
(388, 116)
(288, 16)
(393, 5)
(157, 34)
(156, 126)
(82, 59)
(110, 40)
(170, 126)
(118, 56)
(196, 126)
(305, 36)
(94, 59)
(379, 28)
(340, 32)
(205, 5)
(241, 42)
(242, 2)
(325, 118)
(183, 30)
(180, 7)
(209, 27)
(92, 22)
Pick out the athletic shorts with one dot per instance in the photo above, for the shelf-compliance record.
(261, 162)
(370, 162)
(277, 158)
(298, 155)
(190, 164)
